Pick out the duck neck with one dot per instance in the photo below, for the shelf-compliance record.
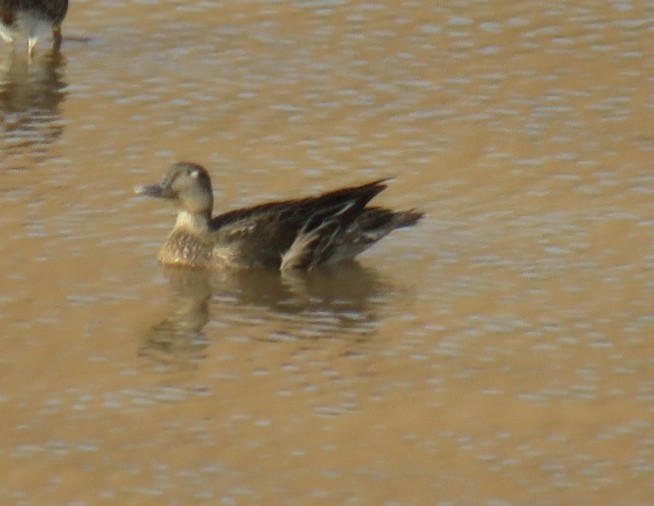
(193, 222)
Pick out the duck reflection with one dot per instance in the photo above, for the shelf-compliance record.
(339, 302)
(31, 93)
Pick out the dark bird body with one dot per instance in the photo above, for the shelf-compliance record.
(32, 18)
(293, 234)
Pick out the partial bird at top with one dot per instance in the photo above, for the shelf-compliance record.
(32, 18)
(293, 234)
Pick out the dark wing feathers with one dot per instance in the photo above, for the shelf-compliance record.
(306, 232)
(369, 226)
(301, 207)
(379, 217)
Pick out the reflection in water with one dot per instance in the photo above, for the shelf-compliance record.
(178, 338)
(31, 93)
(332, 302)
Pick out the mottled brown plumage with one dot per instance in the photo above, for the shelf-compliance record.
(293, 234)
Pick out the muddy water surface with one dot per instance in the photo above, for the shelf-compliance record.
(499, 353)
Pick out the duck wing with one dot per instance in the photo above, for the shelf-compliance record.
(294, 234)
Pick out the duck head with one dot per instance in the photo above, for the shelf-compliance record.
(187, 184)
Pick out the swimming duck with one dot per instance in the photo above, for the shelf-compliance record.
(293, 234)
(33, 18)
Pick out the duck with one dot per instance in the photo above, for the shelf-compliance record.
(33, 18)
(288, 235)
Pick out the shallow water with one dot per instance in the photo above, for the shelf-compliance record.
(498, 353)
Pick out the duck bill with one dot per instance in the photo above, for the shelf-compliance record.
(157, 190)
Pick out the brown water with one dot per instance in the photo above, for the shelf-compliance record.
(499, 353)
